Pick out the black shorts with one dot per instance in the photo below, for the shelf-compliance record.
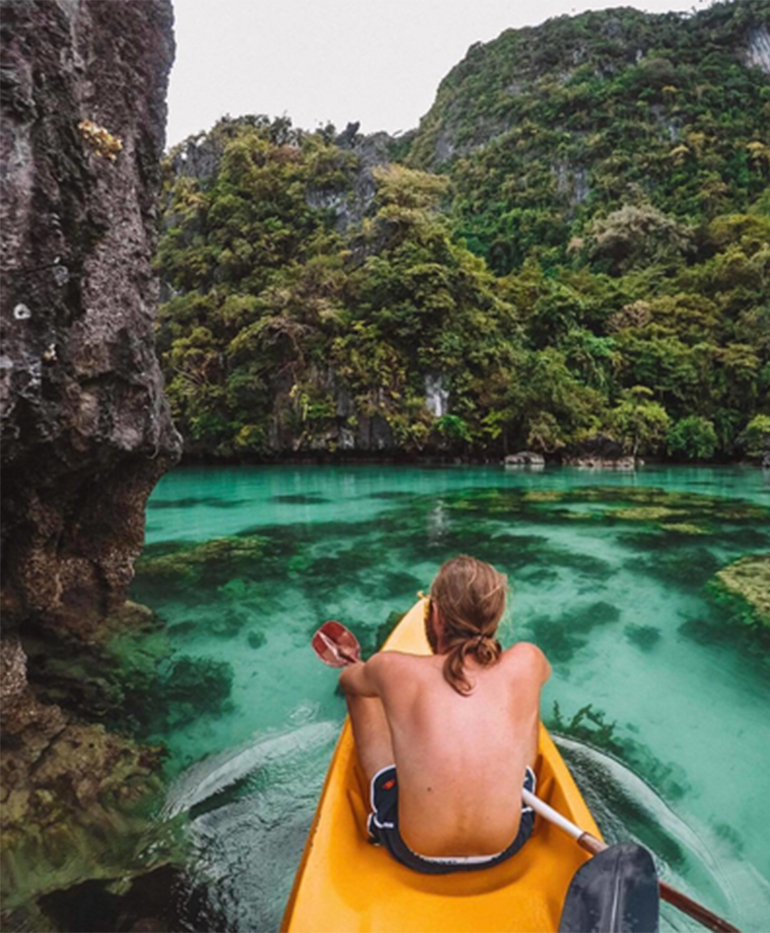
(383, 830)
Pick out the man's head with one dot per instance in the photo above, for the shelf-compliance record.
(467, 601)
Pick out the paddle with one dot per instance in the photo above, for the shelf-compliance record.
(593, 845)
(616, 891)
(336, 645)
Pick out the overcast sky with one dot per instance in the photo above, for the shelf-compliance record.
(375, 61)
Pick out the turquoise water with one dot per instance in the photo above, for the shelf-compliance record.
(609, 575)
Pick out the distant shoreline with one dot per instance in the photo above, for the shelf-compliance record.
(438, 460)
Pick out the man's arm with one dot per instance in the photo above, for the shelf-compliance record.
(364, 678)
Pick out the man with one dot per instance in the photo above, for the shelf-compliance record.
(448, 740)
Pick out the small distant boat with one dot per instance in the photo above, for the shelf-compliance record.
(346, 885)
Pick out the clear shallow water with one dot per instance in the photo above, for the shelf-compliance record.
(608, 574)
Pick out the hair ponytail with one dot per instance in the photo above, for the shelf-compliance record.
(488, 650)
(470, 597)
(454, 668)
(485, 648)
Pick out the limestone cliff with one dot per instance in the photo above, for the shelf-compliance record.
(86, 430)
(500, 86)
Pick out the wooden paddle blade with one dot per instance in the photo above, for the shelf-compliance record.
(336, 645)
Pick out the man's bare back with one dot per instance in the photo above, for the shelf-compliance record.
(460, 726)
(460, 759)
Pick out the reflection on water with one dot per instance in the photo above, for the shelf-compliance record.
(662, 703)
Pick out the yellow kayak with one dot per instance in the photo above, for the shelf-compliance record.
(346, 885)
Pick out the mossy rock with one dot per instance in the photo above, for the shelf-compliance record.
(185, 563)
(646, 513)
(544, 495)
(684, 528)
(748, 581)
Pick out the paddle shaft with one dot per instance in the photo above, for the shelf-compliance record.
(593, 845)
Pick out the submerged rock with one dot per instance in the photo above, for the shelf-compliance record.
(256, 639)
(66, 799)
(748, 581)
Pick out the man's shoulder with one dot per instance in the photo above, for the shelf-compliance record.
(395, 672)
(525, 650)
(527, 657)
(394, 664)
(389, 660)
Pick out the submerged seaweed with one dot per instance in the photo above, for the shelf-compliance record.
(191, 502)
(590, 725)
(186, 565)
(737, 614)
(684, 513)
(643, 636)
(561, 637)
(689, 567)
(618, 813)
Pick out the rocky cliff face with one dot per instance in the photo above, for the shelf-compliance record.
(200, 157)
(86, 430)
(495, 87)
(756, 52)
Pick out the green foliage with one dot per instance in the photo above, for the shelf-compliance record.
(634, 236)
(756, 437)
(639, 423)
(593, 258)
(453, 428)
(692, 438)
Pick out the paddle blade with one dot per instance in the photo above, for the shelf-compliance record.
(615, 892)
(336, 645)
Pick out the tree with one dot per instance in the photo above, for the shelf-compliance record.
(756, 437)
(692, 438)
(640, 234)
(639, 423)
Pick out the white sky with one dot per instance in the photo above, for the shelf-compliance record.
(375, 61)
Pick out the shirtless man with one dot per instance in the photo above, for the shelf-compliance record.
(448, 740)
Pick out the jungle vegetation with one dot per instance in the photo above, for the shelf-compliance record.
(575, 243)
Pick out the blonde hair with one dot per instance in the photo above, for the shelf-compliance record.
(470, 598)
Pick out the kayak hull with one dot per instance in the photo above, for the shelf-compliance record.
(346, 885)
